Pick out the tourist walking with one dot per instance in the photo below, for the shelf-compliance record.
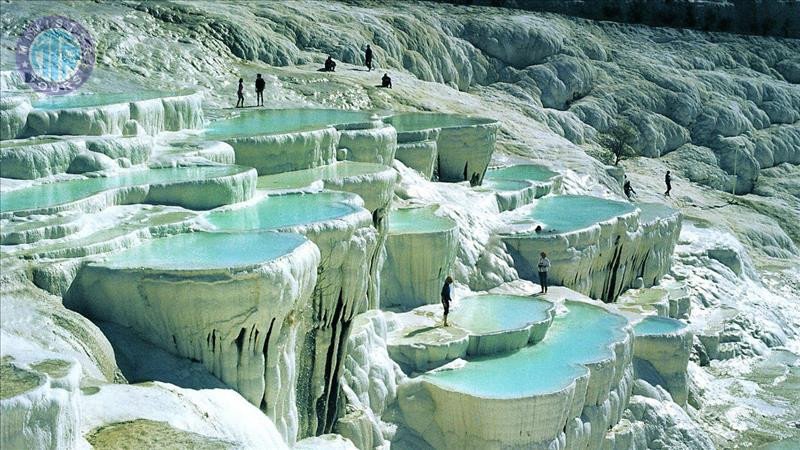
(240, 94)
(260, 85)
(368, 58)
(628, 188)
(544, 267)
(447, 296)
(386, 81)
(668, 182)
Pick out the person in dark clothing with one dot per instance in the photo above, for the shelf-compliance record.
(260, 85)
(368, 58)
(668, 182)
(628, 188)
(447, 296)
(240, 94)
(544, 267)
(330, 64)
(386, 81)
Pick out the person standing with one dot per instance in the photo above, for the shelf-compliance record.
(260, 85)
(368, 58)
(447, 296)
(544, 267)
(628, 188)
(668, 182)
(240, 94)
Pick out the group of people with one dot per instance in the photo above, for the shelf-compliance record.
(330, 66)
(629, 192)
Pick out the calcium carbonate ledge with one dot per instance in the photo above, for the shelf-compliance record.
(464, 144)
(661, 350)
(199, 187)
(420, 250)
(177, 293)
(102, 114)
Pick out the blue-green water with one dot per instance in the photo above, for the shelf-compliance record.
(54, 194)
(302, 178)
(530, 172)
(505, 185)
(653, 325)
(652, 211)
(491, 313)
(273, 121)
(199, 251)
(417, 220)
(404, 122)
(80, 101)
(566, 213)
(280, 211)
(578, 337)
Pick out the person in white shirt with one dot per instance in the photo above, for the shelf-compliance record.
(544, 267)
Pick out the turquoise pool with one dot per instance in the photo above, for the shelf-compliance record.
(653, 325)
(418, 220)
(54, 194)
(578, 337)
(492, 313)
(274, 121)
(281, 211)
(301, 178)
(566, 213)
(80, 101)
(203, 251)
(414, 121)
(529, 172)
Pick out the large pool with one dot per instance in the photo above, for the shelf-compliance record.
(581, 336)
(494, 313)
(281, 211)
(564, 213)
(405, 122)
(418, 220)
(302, 178)
(529, 172)
(204, 251)
(54, 194)
(80, 101)
(275, 121)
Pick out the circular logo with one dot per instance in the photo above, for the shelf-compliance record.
(55, 55)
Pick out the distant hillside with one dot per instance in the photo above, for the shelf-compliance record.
(761, 17)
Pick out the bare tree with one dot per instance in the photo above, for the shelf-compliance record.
(618, 140)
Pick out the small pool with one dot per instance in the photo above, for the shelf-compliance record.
(418, 220)
(651, 212)
(654, 325)
(415, 121)
(505, 185)
(81, 101)
(54, 194)
(529, 172)
(493, 313)
(281, 211)
(202, 251)
(302, 178)
(582, 335)
(275, 121)
(566, 213)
